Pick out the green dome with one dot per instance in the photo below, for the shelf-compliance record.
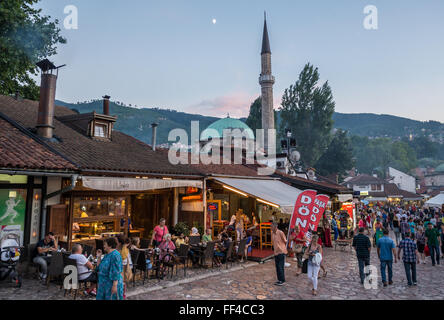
(440, 168)
(226, 124)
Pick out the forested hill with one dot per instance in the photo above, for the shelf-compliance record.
(374, 125)
(137, 122)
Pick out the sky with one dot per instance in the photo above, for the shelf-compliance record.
(203, 56)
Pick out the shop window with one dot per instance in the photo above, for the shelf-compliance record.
(87, 207)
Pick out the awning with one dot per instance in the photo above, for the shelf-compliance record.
(436, 201)
(133, 184)
(345, 197)
(274, 192)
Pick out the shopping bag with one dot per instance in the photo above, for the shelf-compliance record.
(427, 251)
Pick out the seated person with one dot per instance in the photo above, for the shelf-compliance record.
(249, 245)
(84, 269)
(194, 232)
(40, 255)
(222, 249)
(135, 244)
(181, 240)
(166, 247)
(207, 236)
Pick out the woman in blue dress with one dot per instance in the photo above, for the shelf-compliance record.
(110, 268)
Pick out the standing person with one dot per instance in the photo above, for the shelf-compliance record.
(396, 229)
(420, 243)
(362, 245)
(391, 217)
(239, 226)
(110, 268)
(299, 240)
(441, 231)
(386, 251)
(432, 239)
(334, 225)
(314, 264)
(159, 232)
(327, 232)
(279, 242)
(404, 227)
(409, 257)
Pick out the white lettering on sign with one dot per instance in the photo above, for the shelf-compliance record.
(301, 223)
(305, 199)
(304, 211)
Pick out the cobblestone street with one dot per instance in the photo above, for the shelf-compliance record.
(341, 283)
(256, 281)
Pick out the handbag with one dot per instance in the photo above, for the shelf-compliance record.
(305, 266)
(427, 251)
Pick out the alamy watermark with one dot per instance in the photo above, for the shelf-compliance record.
(371, 19)
(71, 21)
(234, 146)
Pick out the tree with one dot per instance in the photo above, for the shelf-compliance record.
(307, 110)
(26, 37)
(254, 120)
(338, 158)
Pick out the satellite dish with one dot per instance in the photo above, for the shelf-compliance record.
(295, 155)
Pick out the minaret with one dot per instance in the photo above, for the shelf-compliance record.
(266, 80)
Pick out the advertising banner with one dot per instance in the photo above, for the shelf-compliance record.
(302, 210)
(12, 212)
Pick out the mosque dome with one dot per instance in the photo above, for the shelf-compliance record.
(226, 124)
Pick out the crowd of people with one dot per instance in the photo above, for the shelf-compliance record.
(113, 268)
(417, 234)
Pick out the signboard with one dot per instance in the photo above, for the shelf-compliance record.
(308, 210)
(12, 212)
(35, 217)
(214, 209)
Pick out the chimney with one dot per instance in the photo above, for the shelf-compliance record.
(106, 105)
(154, 126)
(47, 99)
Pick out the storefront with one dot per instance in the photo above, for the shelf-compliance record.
(259, 201)
(101, 207)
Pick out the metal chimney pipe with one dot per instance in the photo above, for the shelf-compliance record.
(106, 105)
(154, 126)
(45, 117)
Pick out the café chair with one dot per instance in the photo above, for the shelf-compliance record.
(55, 267)
(208, 253)
(182, 254)
(194, 240)
(241, 248)
(135, 258)
(71, 262)
(229, 254)
(140, 265)
(144, 243)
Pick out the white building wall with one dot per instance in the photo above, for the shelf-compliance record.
(402, 180)
(436, 180)
(54, 184)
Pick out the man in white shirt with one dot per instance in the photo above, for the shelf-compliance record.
(84, 268)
